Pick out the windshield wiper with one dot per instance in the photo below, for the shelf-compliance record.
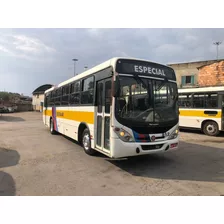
(165, 81)
(138, 79)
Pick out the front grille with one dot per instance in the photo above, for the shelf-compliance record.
(142, 138)
(151, 147)
(146, 137)
(151, 130)
(160, 137)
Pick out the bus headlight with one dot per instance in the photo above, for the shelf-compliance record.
(174, 134)
(123, 135)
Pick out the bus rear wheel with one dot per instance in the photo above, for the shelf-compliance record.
(52, 127)
(86, 142)
(211, 128)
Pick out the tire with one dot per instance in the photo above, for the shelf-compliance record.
(53, 132)
(211, 128)
(86, 142)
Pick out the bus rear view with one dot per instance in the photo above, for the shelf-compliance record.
(145, 109)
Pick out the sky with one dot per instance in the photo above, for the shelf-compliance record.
(33, 57)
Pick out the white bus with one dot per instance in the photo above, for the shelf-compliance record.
(122, 107)
(202, 108)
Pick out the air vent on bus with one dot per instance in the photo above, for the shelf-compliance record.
(152, 147)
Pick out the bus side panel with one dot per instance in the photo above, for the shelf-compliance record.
(192, 118)
(70, 128)
(69, 119)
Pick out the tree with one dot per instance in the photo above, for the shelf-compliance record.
(7, 97)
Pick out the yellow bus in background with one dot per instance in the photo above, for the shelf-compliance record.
(202, 108)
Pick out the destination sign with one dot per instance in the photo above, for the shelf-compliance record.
(127, 66)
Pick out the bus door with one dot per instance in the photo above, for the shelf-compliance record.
(103, 115)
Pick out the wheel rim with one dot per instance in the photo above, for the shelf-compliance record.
(86, 142)
(211, 128)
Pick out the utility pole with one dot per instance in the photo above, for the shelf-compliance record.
(217, 48)
(75, 60)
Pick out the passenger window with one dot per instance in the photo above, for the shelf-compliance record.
(184, 100)
(211, 100)
(87, 91)
(72, 88)
(77, 86)
(87, 84)
(65, 95)
(199, 101)
(58, 96)
(75, 94)
(51, 101)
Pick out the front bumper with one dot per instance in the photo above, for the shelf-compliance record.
(127, 149)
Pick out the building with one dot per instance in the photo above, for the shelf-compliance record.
(38, 97)
(199, 73)
(211, 75)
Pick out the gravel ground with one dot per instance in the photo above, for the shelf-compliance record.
(34, 162)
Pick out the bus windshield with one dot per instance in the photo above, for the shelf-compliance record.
(146, 100)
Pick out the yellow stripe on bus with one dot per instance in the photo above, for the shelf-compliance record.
(198, 113)
(80, 116)
(47, 113)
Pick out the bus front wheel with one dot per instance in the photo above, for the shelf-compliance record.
(211, 128)
(86, 142)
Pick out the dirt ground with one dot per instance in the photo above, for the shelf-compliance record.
(34, 162)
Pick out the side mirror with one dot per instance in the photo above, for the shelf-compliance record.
(116, 91)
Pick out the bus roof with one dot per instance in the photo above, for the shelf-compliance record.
(106, 64)
(202, 89)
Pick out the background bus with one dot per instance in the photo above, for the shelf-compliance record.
(122, 107)
(202, 108)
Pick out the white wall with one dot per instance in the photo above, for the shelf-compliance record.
(36, 101)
